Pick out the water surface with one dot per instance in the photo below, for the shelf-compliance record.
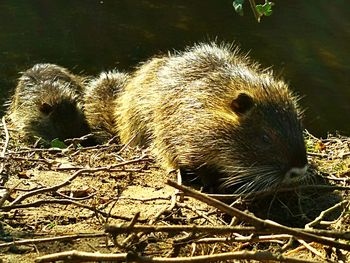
(306, 42)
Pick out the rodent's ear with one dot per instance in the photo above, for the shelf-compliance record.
(242, 103)
(45, 108)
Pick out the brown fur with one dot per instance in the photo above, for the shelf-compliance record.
(47, 103)
(212, 112)
(99, 103)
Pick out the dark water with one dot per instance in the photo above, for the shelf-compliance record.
(307, 42)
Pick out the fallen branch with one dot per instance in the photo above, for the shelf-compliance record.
(110, 168)
(37, 150)
(143, 200)
(80, 256)
(52, 188)
(95, 147)
(63, 202)
(73, 142)
(257, 222)
(126, 145)
(122, 229)
(252, 238)
(70, 179)
(125, 229)
(329, 233)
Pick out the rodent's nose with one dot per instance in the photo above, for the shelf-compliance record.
(296, 172)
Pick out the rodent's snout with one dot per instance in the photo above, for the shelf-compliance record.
(298, 165)
(295, 173)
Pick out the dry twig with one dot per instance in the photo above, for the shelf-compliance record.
(314, 251)
(122, 229)
(7, 139)
(63, 202)
(79, 256)
(257, 222)
(51, 188)
(251, 238)
(318, 220)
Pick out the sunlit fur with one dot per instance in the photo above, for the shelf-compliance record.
(180, 105)
(99, 103)
(47, 103)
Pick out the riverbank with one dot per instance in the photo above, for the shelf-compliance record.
(60, 200)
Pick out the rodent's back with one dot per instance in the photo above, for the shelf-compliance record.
(99, 103)
(47, 103)
(210, 107)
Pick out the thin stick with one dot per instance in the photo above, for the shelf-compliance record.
(7, 139)
(313, 250)
(52, 188)
(110, 168)
(255, 221)
(79, 256)
(321, 155)
(143, 200)
(252, 238)
(63, 202)
(121, 229)
(126, 145)
(252, 5)
(34, 150)
(343, 204)
(69, 180)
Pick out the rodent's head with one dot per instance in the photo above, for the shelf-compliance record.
(266, 137)
(60, 113)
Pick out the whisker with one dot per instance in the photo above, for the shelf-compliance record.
(252, 179)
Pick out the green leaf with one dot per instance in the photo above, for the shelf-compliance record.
(56, 143)
(265, 9)
(238, 6)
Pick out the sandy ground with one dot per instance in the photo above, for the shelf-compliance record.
(74, 193)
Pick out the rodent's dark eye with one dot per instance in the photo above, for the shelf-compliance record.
(45, 108)
(242, 103)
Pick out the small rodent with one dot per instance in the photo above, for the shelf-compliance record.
(99, 104)
(47, 104)
(211, 111)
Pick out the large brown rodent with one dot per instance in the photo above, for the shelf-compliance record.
(47, 104)
(213, 112)
(99, 103)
